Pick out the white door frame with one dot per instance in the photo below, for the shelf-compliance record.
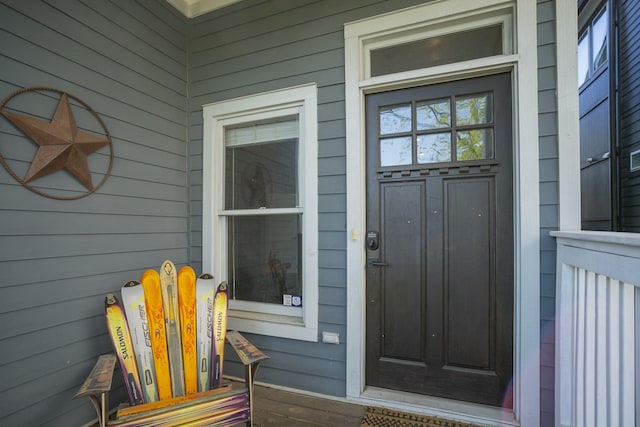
(521, 59)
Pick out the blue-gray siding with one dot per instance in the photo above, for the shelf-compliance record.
(257, 46)
(58, 259)
(147, 71)
(548, 133)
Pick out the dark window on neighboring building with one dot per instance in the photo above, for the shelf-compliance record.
(592, 47)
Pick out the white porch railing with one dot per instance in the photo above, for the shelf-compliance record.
(597, 328)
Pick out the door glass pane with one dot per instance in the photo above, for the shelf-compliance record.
(474, 109)
(475, 144)
(435, 147)
(264, 258)
(395, 151)
(433, 114)
(395, 119)
(262, 175)
(583, 59)
(599, 34)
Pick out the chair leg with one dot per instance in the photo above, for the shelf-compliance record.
(248, 378)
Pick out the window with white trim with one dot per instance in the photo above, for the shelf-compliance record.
(260, 209)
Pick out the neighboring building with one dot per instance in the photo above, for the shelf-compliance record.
(609, 110)
(401, 202)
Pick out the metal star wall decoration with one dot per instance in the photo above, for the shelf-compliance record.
(61, 144)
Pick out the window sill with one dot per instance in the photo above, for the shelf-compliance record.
(274, 325)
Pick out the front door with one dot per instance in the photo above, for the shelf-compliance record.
(440, 240)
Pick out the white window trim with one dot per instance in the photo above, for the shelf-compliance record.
(523, 63)
(266, 319)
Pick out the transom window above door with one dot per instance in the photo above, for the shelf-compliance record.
(453, 129)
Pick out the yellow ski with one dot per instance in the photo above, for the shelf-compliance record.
(187, 305)
(153, 299)
(220, 305)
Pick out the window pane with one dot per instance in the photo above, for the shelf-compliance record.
(440, 50)
(262, 175)
(475, 144)
(435, 147)
(395, 151)
(265, 258)
(395, 119)
(474, 109)
(583, 59)
(433, 114)
(599, 41)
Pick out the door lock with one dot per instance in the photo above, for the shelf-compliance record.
(373, 240)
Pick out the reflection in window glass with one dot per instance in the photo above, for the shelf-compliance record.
(395, 119)
(583, 59)
(599, 40)
(475, 144)
(395, 151)
(438, 50)
(474, 109)
(433, 114)
(435, 147)
(262, 175)
(264, 257)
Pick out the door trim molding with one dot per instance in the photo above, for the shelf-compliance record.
(523, 63)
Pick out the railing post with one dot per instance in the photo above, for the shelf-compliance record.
(597, 329)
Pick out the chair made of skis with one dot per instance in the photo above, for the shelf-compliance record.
(225, 405)
(152, 402)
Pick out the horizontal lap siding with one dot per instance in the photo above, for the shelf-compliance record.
(549, 200)
(256, 46)
(127, 60)
(629, 111)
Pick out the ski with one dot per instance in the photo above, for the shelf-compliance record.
(205, 291)
(153, 299)
(187, 308)
(121, 339)
(137, 319)
(168, 282)
(220, 305)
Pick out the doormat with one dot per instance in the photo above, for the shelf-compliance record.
(379, 417)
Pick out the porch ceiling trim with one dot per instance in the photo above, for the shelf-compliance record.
(193, 8)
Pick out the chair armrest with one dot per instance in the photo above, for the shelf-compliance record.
(247, 352)
(97, 386)
(100, 377)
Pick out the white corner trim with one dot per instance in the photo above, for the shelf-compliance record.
(527, 250)
(568, 115)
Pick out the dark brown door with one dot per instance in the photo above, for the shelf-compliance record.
(440, 240)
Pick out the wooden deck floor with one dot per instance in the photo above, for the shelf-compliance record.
(273, 407)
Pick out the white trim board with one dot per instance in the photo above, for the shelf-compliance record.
(523, 63)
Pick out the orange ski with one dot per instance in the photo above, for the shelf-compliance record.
(187, 305)
(153, 299)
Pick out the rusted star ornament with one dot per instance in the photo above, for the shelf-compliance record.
(61, 145)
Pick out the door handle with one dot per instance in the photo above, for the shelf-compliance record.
(376, 263)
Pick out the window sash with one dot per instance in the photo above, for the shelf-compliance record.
(254, 317)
